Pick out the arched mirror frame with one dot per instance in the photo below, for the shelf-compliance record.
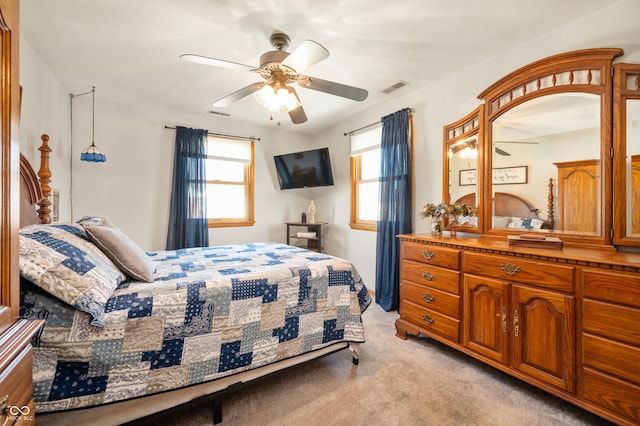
(555, 74)
(626, 84)
(467, 128)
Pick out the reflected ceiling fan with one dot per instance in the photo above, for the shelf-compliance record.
(505, 153)
(279, 69)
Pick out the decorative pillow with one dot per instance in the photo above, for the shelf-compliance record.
(532, 223)
(61, 260)
(500, 221)
(118, 247)
(515, 222)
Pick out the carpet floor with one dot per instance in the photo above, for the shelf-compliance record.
(399, 382)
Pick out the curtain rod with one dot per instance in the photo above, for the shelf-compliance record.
(411, 111)
(223, 135)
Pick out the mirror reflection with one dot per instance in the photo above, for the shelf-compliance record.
(545, 165)
(463, 174)
(632, 166)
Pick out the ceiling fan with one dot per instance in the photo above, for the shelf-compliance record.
(505, 153)
(279, 69)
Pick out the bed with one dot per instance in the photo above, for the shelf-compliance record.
(513, 211)
(127, 332)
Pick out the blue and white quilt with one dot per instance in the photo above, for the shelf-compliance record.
(210, 312)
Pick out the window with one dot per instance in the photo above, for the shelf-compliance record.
(365, 178)
(229, 182)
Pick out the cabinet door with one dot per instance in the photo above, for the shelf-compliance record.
(543, 327)
(486, 311)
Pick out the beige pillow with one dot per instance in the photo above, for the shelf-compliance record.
(122, 251)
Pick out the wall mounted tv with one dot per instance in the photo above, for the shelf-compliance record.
(304, 169)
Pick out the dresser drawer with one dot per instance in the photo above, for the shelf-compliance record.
(541, 274)
(431, 298)
(433, 255)
(618, 396)
(15, 383)
(612, 357)
(432, 276)
(612, 286)
(612, 321)
(430, 321)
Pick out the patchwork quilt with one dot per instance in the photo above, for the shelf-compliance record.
(210, 312)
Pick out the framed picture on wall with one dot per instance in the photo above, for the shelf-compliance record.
(510, 175)
(468, 177)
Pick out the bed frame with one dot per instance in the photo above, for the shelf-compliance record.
(35, 208)
(511, 205)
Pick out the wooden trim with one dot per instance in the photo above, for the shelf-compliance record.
(586, 71)
(622, 91)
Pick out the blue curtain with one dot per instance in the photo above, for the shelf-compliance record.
(394, 215)
(188, 223)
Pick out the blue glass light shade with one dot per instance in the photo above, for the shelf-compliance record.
(94, 154)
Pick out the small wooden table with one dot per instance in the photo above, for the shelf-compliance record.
(313, 243)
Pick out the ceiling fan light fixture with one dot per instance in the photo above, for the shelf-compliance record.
(282, 99)
(469, 153)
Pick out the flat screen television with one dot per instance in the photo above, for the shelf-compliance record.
(304, 169)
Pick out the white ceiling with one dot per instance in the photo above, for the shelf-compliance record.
(129, 49)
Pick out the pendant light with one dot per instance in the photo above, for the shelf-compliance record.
(92, 153)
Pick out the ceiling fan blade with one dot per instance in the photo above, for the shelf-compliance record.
(333, 88)
(502, 152)
(216, 62)
(304, 56)
(298, 115)
(239, 94)
(522, 142)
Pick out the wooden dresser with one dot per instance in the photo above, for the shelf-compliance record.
(566, 321)
(16, 405)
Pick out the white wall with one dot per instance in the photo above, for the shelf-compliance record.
(132, 188)
(449, 99)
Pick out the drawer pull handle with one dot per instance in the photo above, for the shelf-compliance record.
(510, 268)
(516, 324)
(504, 319)
(428, 276)
(428, 319)
(429, 298)
(428, 254)
(4, 410)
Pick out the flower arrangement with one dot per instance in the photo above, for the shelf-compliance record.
(457, 210)
(437, 213)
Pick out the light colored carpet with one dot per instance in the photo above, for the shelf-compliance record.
(412, 382)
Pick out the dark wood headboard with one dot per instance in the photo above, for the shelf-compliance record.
(35, 203)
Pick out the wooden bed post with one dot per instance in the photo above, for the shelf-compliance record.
(550, 205)
(44, 211)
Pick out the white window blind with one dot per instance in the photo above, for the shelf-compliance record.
(228, 149)
(366, 140)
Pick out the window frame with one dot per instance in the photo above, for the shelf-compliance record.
(249, 219)
(355, 180)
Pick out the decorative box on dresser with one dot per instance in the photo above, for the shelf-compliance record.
(564, 320)
(16, 405)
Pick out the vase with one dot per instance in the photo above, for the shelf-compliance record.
(436, 226)
(454, 223)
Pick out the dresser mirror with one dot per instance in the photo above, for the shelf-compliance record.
(627, 153)
(548, 164)
(552, 139)
(462, 179)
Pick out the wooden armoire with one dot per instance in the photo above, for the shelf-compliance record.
(16, 405)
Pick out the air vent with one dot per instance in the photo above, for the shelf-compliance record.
(224, 114)
(395, 87)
